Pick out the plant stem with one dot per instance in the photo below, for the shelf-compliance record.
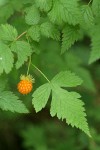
(41, 72)
(29, 65)
(21, 35)
(18, 37)
(30, 60)
(89, 2)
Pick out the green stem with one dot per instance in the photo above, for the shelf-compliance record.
(29, 57)
(21, 35)
(89, 2)
(29, 65)
(18, 38)
(41, 72)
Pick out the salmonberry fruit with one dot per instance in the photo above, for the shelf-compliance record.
(26, 84)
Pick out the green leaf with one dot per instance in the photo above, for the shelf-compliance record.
(33, 16)
(5, 12)
(87, 16)
(65, 11)
(44, 5)
(95, 52)
(95, 45)
(96, 7)
(6, 58)
(75, 63)
(23, 50)
(34, 33)
(64, 104)
(8, 32)
(50, 31)
(67, 79)
(8, 101)
(70, 35)
(40, 97)
(67, 105)
(17, 5)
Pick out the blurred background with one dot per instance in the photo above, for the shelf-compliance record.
(40, 131)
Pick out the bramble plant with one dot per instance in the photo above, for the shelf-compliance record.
(48, 34)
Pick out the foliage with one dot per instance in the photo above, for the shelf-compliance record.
(62, 38)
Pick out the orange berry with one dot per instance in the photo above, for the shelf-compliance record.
(25, 85)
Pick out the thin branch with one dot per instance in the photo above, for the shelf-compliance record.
(90, 2)
(21, 35)
(29, 65)
(41, 72)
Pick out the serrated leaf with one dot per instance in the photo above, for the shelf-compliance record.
(67, 105)
(96, 7)
(95, 52)
(40, 97)
(34, 33)
(8, 32)
(49, 30)
(8, 101)
(44, 5)
(70, 35)
(33, 16)
(95, 45)
(87, 16)
(23, 50)
(6, 58)
(67, 79)
(65, 11)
